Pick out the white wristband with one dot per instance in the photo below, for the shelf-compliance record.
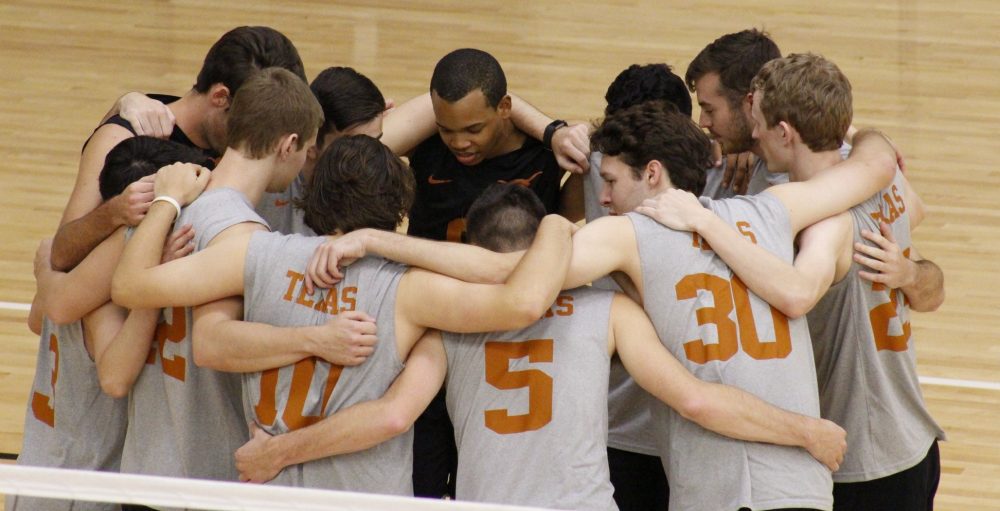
(172, 201)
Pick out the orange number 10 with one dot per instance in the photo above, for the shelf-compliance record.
(539, 384)
(298, 392)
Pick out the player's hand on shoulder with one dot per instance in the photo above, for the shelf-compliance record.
(571, 146)
(347, 340)
(739, 170)
(324, 268)
(182, 181)
(146, 115)
(676, 209)
(131, 206)
(255, 460)
(43, 257)
(890, 266)
(828, 443)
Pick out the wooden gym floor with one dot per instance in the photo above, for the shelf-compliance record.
(925, 72)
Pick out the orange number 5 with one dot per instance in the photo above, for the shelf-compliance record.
(881, 317)
(539, 384)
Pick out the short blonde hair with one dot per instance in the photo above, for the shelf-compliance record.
(809, 93)
(271, 104)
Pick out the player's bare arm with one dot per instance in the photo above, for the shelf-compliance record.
(427, 299)
(823, 257)
(222, 341)
(723, 409)
(352, 429)
(86, 221)
(121, 340)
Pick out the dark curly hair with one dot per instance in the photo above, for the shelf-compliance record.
(650, 82)
(357, 183)
(655, 130)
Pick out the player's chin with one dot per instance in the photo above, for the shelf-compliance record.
(468, 158)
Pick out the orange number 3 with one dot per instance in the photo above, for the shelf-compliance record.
(726, 296)
(539, 384)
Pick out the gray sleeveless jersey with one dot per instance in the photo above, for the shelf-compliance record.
(723, 333)
(529, 408)
(294, 396)
(184, 420)
(760, 180)
(866, 361)
(69, 423)
(279, 212)
(629, 420)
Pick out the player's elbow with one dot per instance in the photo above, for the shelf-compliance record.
(60, 313)
(203, 350)
(930, 304)
(395, 423)
(124, 294)
(696, 408)
(113, 385)
(527, 310)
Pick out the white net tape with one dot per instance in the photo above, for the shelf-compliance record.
(201, 494)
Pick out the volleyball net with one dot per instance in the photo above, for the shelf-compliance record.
(169, 492)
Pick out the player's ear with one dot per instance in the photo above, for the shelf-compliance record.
(503, 107)
(287, 145)
(787, 132)
(654, 173)
(219, 95)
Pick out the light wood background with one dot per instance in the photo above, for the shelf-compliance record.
(924, 71)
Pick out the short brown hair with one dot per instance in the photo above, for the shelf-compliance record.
(655, 130)
(357, 183)
(271, 104)
(736, 57)
(809, 93)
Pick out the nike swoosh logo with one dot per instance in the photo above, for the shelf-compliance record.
(431, 180)
(280, 203)
(525, 182)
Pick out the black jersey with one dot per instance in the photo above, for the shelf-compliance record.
(177, 135)
(446, 188)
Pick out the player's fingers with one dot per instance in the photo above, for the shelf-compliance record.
(874, 264)
(363, 351)
(877, 278)
(365, 340)
(886, 230)
(870, 251)
(166, 122)
(875, 237)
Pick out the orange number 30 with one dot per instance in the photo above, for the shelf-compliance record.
(726, 296)
(539, 384)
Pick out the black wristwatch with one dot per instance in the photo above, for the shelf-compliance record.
(550, 130)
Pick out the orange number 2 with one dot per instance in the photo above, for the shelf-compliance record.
(42, 406)
(539, 384)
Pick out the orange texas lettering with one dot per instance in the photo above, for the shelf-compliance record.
(892, 207)
(333, 302)
(563, 306)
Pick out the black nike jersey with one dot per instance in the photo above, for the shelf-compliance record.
(176, 135)
(446, 188)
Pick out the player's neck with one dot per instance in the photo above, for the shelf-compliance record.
(189, 116)
(808, 163)
(247, 176)
(511, 139)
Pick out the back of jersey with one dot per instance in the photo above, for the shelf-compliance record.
(70, 422)
(291, 397)
(866, 362)
(530, 408)
(185, 420)
(723, 333)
